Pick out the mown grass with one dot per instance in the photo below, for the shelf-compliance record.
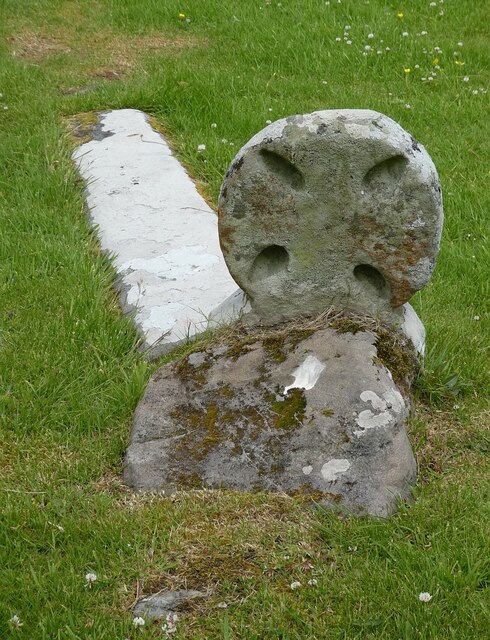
(71, 374)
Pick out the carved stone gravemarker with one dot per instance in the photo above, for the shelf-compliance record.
(332, 209)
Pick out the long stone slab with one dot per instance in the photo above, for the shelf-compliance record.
(161, 231)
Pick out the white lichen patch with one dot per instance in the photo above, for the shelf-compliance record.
(388, 408)
(334, 468)
(374, 399)
(307, 470)
(307, 374)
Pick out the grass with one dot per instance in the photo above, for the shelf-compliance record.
(71, 374)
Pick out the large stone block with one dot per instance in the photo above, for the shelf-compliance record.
(314, 413)
(337, 208)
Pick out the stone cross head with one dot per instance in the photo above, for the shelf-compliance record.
(334, 208)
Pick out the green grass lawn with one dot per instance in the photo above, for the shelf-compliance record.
(71, 375)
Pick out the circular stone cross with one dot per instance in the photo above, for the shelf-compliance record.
(334, 208)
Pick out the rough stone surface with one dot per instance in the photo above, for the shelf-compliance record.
(301, 412)
(338, 208)
(163, 235)
(159, 605)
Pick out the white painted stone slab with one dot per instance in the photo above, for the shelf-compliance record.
(163, 234)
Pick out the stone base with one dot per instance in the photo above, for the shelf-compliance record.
(301, 412)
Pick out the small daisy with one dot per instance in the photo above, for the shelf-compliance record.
(15, 622)
(90, 578)
(425, 597)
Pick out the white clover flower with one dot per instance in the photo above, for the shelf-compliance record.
(295, 585)
(455, 407)
(441, 13)
(214, 125)
(324, 82)
(224, 141)
(407, 106)
(347, 27)
(348, 42)
(367, 48)
(15, 621)
(138, 622)
(313, 582)
(387, 49)
(423, 33)
(338, 39)
(430, 79)
(90, 579)
(268, 122)
(417, 66)
(460, 44)
(432, 4)
(425, 597)
(201, 147)
(370, 35)
(405, 34)
(222, 605)
(466, 79)
(170, 625)
(379, 52)
(5, 107)
(476, 318)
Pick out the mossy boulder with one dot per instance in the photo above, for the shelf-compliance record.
(313, 412)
